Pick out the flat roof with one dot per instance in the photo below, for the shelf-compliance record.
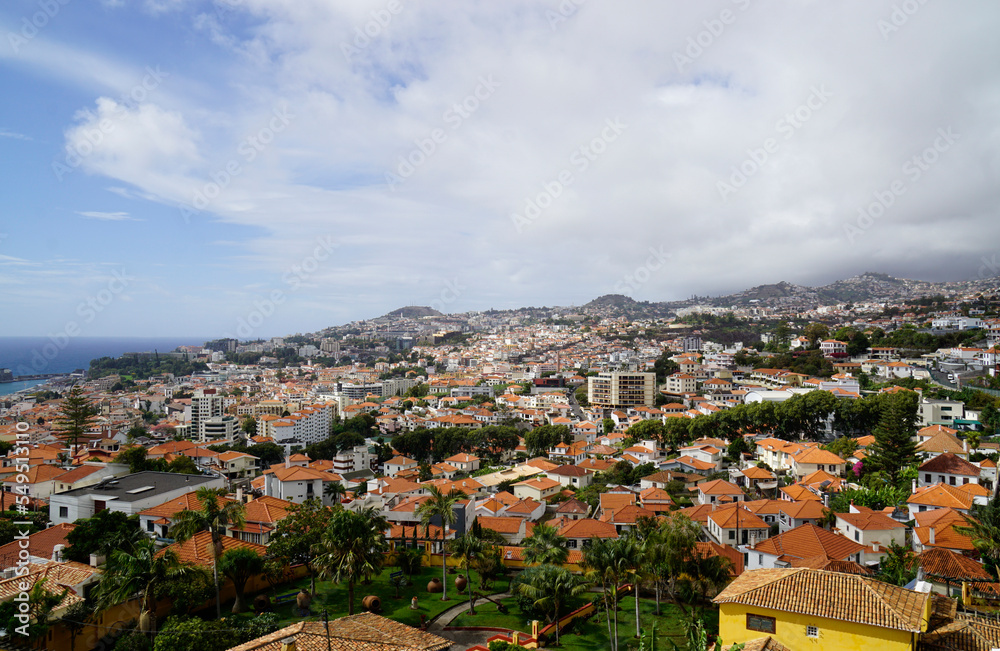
(121, 488)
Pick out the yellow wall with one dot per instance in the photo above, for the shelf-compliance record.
(790, 630)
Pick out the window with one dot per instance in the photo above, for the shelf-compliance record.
(951, 480)
(149, 525)
(63, 511)
(732, 535)
(761, 623)
(857, 536)
(760, 559)
(812, 631)
(927, 478)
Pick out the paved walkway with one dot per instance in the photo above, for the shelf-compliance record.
(464, 639)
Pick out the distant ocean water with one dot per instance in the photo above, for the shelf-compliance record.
(38, 355)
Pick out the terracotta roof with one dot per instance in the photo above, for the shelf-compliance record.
(361, 632)
(615, 501)
(501, 524)
(809, 540)
(804, 510)
(729, 518)
(196, 549)
(573, 505)
(817, 455)
(799, 493)
(40, 544)
(950, 464)
(589, 528)
(765, 644)
(719, 487)
(708, 549)
(964, 633)
(869, 520)
(78, 473)
(754, 472)
(942, 495)
(821, 562)
(941, 442)
(951, 565)
(859, 599)
(267, 509)
(186, 502)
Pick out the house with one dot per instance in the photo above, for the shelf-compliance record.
(939, 496)
(129, 494)
(395, 465)
(803, 608)
(935, 440)
(262, 516)
(947, 468)
(513, 530)
(945, 570)
(712, 492)
(537, 488)
(361, 632)
(802, 542)
(796, 514)
(197, 550)
(571, 476)
(572, 509)
(656, 500)
(756, 478)
(831, 346)
(298, 484)
(579, 532)
(464, 462)
(735, 525)
(810, 460)
(156, 521)
(873, 529)
(527, 509)
(43, 545)
(626, 517)
(937, 529)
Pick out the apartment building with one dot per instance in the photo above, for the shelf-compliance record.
(620, 390)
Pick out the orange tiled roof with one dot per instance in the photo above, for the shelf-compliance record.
(186, 502)
(859, 599)
(809, 540)
(952, 566)
(197, 549)
(362, 632)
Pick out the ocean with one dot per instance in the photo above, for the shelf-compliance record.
(40, 355)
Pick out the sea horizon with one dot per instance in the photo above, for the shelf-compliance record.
(27, 355)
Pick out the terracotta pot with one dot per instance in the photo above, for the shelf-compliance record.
(261, 603)
(461, 582)
(435, 585)
(303, 599)
(372, 603)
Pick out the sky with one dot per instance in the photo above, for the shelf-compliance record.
(254, 168)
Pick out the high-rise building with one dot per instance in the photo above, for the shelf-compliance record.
(205, 404)
(618, 389)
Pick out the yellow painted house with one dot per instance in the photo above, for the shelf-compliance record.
(803, 608)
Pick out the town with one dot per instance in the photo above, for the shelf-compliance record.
(771, 470)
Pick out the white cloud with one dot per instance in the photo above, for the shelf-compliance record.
(107, 216)
(407, 89)
(5, 133)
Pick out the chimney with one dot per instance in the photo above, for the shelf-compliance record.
(913, 486)
(288, 644)
(57, 553)
(930, 538)
(239, 495)
(288, 464)
(965, 445)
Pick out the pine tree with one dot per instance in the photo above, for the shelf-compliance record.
(76, 416)
(894, 448)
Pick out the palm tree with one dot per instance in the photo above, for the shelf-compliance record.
(545, 545)
(239, 565)
(335, 491)
(351, 549)
(627, 558)
(984, 529)
(140, 571)
(599, 568)
(467, 548)
(213, 518)
(550, 588)
(441, 505)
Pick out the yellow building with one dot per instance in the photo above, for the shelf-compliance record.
(813, 609)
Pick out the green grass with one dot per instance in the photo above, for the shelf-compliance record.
(333, 597)
(592, 634)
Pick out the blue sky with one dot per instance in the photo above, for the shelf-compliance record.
(257, 168)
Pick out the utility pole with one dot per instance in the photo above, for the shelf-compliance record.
(326, 624)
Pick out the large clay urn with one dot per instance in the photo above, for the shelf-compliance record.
(461, 582)
(303, 599)
(435, 585)
(372, 603)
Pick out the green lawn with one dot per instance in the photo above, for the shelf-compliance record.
(333, 597)
(592, 634)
